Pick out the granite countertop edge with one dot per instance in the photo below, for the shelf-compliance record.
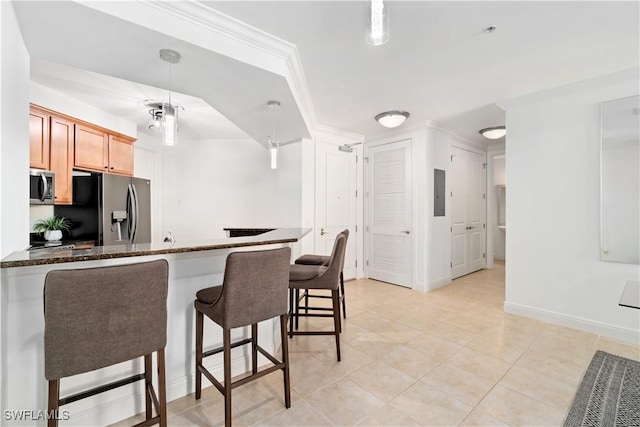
(28, 259)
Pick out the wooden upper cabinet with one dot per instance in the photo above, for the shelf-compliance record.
(91, 150)
(61, 158)
(38, 138)
(120, 155)
(99, 151)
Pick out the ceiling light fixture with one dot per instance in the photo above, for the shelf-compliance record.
(273, 142)
(168, 113)
(495, 132)
(155, 111)
(392, 119)
(378, 29)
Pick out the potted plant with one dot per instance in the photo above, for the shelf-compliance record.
(52, 227)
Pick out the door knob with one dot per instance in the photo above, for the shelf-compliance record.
(322, 232)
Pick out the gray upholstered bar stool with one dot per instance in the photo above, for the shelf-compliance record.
(305, 277)
(97, 317)
(310, 259)
(254, 289)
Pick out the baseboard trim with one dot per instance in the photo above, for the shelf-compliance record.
(438, 283)
(587, 325)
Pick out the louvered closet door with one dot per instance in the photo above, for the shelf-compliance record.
(389, 213)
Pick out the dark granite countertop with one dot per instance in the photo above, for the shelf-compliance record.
(26, 258)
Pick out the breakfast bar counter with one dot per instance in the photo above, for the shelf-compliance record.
(192, 266)
(56, 256)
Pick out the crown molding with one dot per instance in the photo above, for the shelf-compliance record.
(337, 135)
(466, 141)
(240, 32)
(225, 35)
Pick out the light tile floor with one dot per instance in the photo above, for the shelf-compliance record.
(447, 357)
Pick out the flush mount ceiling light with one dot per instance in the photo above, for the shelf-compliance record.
(392, 119)
(166, 117)
(378, 20)
(495, 132)
(273, 142)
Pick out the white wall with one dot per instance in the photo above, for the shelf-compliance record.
(14, 134)
(438, 229)
(57, 101)
(553, 271)
(14, 152)
(209, 185)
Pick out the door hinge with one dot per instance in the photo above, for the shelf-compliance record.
(452, 157)
(484, 166)
(366, 159)
(451, 264)
(452, 194)
(356, 159)
(367, 228)
(367, 263)
(356, 228)
(451, 229)
(484, 255)
(356, 263)
(484, 226)
(484, 196)
(356, 193)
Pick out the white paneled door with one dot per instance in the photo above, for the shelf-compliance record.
(389, 213)
(336, 202)
(468, 201)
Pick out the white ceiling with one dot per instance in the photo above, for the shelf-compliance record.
(439, 64)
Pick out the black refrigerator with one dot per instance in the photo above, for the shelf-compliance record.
(109, 209)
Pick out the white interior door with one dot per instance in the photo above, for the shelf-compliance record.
(336, 202)
(468, 202)
(389, 213)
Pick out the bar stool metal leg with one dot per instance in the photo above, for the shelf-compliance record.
(54, 396)
(336, 319)
(148, 380)
(343, 296)
(162, 384)
(254, 348)
(199, 338)
(285, 359)
(227, 377)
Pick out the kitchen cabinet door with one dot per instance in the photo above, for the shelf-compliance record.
(120, 155)
(61, 158)
(38, 138)
(91, 149)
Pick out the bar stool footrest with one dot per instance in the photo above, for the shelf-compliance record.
(101, 389)
(220, 349)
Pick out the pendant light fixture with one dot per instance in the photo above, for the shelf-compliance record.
(378, 20)
(169, 112)
(392, 119)
(495, 132)
(274, 144)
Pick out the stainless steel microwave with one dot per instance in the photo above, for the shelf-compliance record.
(41, 187)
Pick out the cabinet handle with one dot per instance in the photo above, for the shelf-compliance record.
(111, 167)
(322, 232)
